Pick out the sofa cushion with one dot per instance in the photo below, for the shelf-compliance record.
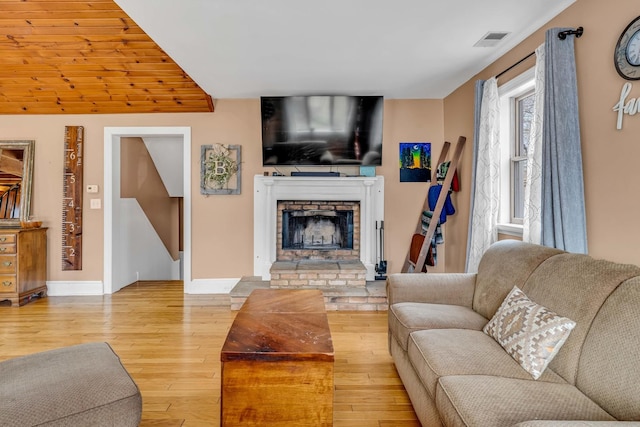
(505, 264)
(498, 401)
(407, 317)
(609, 371)
(530, 333)
(82, 385)
(575, 286)
(437, 353)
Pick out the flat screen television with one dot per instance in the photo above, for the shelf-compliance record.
(322, 130)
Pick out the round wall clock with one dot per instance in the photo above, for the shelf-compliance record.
(627, 54)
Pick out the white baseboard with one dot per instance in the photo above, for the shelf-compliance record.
(86, 288)
(211, 286)
(76, 288)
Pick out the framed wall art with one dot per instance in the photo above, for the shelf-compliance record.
(415, 162)
(220, 171)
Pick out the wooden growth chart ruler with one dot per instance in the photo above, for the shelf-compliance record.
(72, 198)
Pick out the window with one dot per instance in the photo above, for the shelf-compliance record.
(522, 117)
(516, 114)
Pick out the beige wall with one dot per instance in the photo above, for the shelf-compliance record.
(406, 121)
(222, 225)
(458, 108)
(610, 156)
(140, 180)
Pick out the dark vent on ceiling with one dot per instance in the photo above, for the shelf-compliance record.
(491, 39)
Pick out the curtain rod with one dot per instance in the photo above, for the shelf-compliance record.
(516, 64)
(562, 35)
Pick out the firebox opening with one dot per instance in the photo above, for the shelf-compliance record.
(317, 229)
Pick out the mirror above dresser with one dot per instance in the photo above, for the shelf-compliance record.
(16, 180)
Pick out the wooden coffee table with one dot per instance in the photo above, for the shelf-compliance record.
(277, 361)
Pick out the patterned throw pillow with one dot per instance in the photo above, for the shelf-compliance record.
(530, 333)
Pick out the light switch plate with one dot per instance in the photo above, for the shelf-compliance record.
(92, 188)
(96, 204)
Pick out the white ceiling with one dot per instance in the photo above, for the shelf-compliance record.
(398, 49)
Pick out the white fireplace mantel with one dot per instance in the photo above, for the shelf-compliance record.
(267, 190)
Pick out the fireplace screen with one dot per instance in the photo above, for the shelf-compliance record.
(317, 229)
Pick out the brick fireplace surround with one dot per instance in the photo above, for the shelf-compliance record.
(347, 283)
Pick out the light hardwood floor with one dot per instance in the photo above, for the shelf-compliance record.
(170, 344)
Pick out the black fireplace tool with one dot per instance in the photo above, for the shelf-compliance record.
(381, 266)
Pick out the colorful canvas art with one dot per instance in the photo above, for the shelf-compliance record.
(415, 162)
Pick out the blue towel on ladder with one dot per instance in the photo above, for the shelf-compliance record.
(447, 209)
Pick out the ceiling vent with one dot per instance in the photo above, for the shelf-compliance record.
(491, 39)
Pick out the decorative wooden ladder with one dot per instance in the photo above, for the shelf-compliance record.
(423, 240)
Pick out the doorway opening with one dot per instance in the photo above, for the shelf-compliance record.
(120, 267)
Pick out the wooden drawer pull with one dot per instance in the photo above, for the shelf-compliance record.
(7, 263)
(7, 283)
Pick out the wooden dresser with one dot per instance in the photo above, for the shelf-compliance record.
(23, 264)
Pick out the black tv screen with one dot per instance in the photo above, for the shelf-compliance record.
(322, 130)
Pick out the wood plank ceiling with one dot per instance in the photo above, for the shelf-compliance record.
(85, 57)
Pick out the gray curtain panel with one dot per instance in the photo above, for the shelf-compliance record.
(476, 131)
(563, 210)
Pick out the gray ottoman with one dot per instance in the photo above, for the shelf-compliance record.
(82, 385)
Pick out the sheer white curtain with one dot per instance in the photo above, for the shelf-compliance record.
(486, 190)
(532, 221)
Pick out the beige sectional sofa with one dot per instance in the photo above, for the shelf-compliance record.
(457, 375)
